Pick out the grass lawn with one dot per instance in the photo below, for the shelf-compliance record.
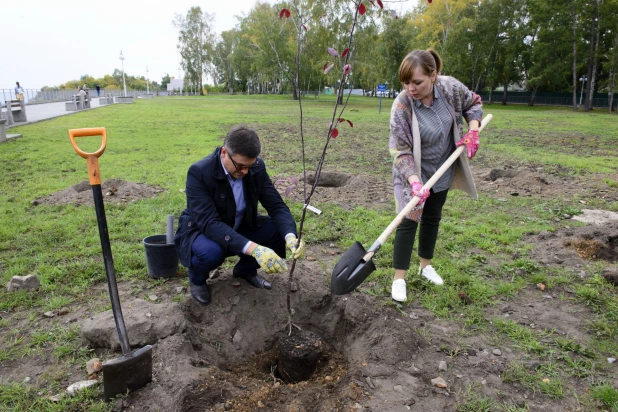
(155, 141)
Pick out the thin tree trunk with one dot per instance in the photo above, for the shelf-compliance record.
(588, 104)
(573, 24)
(506, 85)
(533, 96)
(596, 59)
(612, 75)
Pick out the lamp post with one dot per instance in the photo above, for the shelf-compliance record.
(123, 82)
(583, 80)
(147, 89)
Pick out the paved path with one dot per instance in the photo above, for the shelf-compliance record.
(37, 112)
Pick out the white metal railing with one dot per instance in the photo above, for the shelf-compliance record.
(35, 96)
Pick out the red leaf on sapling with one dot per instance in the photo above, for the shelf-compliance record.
(380, 4)
(345, 52)
(341, 120)
(334, 133)
(362, 9)
(394, 14)
(372, 3)
(347, 68)
(329, 68)
(429, 1)
(333, 52)
(284, 12)
(350, 123)
(305, 27)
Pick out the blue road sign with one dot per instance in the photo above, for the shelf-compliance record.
(381, 87)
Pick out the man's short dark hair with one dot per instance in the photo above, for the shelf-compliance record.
(243, 141)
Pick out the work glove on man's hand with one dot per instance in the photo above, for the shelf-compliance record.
(268, 260)
(471, 140)
(297, 252)
(417, 190)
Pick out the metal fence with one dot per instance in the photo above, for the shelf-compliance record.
(35, 96)
(599, 100)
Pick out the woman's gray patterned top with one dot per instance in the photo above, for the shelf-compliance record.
(406, 147)
(435, 124)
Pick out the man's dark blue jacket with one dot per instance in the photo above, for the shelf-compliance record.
(211, 207)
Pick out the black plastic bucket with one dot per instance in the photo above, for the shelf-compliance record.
(161, 257)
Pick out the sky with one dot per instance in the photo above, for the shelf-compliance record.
(57, 41)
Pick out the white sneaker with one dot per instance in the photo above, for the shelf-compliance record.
(398, 291)
(431, 275)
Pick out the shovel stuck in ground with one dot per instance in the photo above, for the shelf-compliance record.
(132, 370)
(355, 264)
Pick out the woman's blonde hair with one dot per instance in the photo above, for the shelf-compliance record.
(429, 60)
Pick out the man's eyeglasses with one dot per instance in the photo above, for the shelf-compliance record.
(241, 167)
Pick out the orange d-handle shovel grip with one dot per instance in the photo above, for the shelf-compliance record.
(91, 158)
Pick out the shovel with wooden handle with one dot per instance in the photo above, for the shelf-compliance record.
(355, 264)
(132, 370)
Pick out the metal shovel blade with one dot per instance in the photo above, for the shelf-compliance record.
(351, 270)
(128, 372)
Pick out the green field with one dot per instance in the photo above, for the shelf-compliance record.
(155, 141)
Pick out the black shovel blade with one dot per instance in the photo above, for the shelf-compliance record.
(351, 270)
(128, 372)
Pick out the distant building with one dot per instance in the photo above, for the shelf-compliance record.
(175, 85)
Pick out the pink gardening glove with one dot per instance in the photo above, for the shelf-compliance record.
(417, 190)
(471, 140)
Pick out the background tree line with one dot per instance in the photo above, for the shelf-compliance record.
(113, 82)
(537, 45)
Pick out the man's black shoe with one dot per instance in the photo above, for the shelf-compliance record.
(254, 280)
(201, 293)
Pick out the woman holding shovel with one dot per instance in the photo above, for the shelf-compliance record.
(425, 129)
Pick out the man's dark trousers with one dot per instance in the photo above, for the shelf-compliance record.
(207, 255)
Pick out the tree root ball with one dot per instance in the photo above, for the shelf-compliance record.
(298, 355)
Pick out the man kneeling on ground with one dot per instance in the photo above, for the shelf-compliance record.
(221, 220)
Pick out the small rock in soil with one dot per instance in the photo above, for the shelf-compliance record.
(54, 398)
(79, 386)
(439, 382)
(237, 338)
(497, 352)
(398, 388)
(49, 314)
(93, 365)
(442, 366)
(153, 298)
(180, 289)
(235, 300)
(30, 282)
(27, 379)
(413, 315)
(611, 360)
(410, 402)
(236, 284)
(368, 379)
(294, 286)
